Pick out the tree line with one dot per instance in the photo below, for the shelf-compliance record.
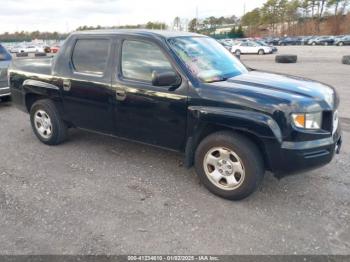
(29, 36)
(23, 36)
(282, 16)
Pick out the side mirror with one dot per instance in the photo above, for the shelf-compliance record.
(167, 78)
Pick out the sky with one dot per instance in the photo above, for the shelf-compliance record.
(67, 15)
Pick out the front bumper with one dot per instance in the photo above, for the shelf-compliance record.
(293, 157)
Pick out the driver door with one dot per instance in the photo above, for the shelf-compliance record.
(152, 114)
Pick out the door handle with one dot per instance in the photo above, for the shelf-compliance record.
(120, 94)
(66, 84)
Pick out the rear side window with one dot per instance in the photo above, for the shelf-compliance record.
(90, 56)
(140, 59)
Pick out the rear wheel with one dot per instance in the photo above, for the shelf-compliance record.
(261, 52)
(46, 122)
(313, 43)
(229, 165)
(326, 43)
(341, 44)
(238, 52)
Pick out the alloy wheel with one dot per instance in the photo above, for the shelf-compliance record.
(224, 168)
(43, 124)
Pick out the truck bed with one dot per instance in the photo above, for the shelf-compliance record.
(40, 65)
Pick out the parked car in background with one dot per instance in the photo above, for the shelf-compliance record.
(31, 49)
(322, 40)
(290, 41)
(305, 39)
(263, 43)
(15, 48)
(55, 48)
(47, 49)
(5, 59)
(273, 41)
(225, 44)
(344, 40)
(250, 47)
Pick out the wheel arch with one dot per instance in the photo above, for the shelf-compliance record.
(35, 90)
(257, 127)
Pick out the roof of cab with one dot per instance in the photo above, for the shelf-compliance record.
(139, 32)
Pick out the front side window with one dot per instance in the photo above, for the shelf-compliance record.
(140, 59)
(90, 56)
(206, 58)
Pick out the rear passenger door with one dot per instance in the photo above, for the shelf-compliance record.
(87, 90)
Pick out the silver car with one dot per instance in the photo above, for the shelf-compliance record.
(5, 60)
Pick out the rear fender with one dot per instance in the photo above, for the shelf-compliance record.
(40, 89)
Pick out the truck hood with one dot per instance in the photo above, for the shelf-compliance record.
(275, 91)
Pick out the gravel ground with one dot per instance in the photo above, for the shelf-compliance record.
(100, 195)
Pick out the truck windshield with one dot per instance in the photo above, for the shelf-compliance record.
(206, 58)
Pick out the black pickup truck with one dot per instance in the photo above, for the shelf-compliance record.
(183, 92)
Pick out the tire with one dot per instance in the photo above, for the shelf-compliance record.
(58, 127)
(238, 52)
(261, 52)
(326, 43)
(248, 158)
(346, 60)
(313, 43)
(340, 44)
(286, 59)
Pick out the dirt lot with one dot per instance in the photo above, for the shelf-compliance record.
(98, 195)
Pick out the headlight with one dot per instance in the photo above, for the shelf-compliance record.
(308, 121)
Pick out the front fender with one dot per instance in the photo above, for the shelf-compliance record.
(256, 123)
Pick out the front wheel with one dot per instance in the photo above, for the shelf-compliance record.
(341, 44)
(261, 52)
(46, 122)
(229, 165)
(238, 52)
